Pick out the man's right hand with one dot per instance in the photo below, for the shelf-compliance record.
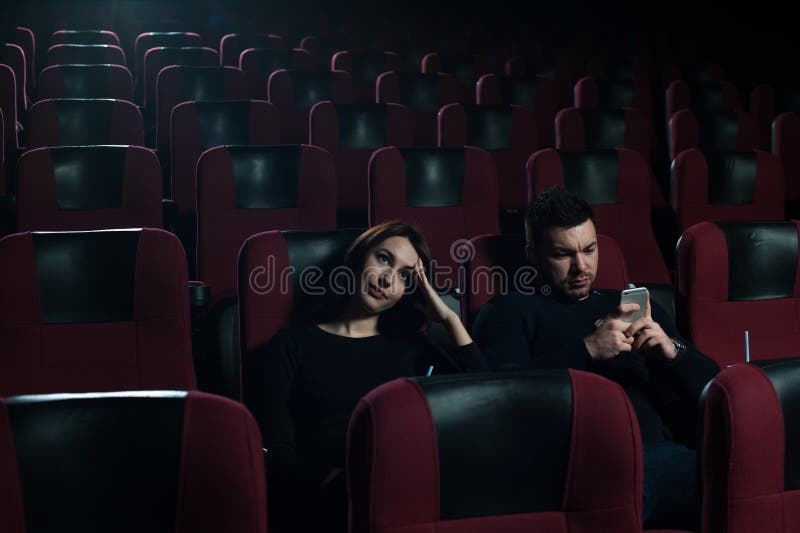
(608, 338)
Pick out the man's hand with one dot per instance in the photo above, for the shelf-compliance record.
(649, 338)
(609, 339)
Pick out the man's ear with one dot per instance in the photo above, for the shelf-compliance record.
(530, 255)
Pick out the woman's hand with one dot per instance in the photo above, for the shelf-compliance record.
(430, 303)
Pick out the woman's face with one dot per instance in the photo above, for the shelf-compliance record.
(388, 272)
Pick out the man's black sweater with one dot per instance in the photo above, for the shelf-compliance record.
(517, 331)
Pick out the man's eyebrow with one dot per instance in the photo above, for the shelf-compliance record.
(590, 245)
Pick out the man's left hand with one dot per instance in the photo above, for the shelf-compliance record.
(649, 337)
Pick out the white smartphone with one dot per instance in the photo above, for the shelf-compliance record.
(638, 295)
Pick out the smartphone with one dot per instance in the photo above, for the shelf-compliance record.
(638, 295)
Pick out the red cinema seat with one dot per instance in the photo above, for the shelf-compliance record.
(84, 54)
(233, 44)
(258, 64)
(156, 460)
(85, 81)
(73, 122)
(94, 311)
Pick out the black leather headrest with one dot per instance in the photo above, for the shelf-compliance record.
(762, 259)
(366, 67)
(615, 94)
(310, 87)
(603, 128)
(785, 377)
(84, 80)
(89, 177)
(203, 83)
(787, 100)
(266, 177)
(706, 96)
(719, 130)
(731, 177)
(222, 123)
(84, 121)
(419, 91)
(434, 176)
(362, 126)
(459, 66)
(86, 276)
(87, 461)
(314, 255)
(519, 90)
(489, 127)
(592, 175)
(503, 441)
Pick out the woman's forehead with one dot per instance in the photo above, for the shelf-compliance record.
(402, 250)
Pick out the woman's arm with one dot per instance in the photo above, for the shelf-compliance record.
(436, 310)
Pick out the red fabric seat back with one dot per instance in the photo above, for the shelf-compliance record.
(13, 56)
(94, 311)
(351, 133)
(574, 458)
(749, 449)
(465, 68)
(193, 460)
(535, 93)
(591, 93)
(243, 189)
(740, 276)
(146, 41)
(156, 59)
(85, 81)
(76, 188)
(714, 130)
(73, 122)
(423, 95)
(8, 106)
(506, 132)
(258, 65)
(365, 69)
(294, 93)
(786, 146)
(702, 97)
(727, 185)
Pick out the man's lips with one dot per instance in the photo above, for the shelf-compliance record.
(579, 282)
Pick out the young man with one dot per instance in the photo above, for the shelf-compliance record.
(579, 327)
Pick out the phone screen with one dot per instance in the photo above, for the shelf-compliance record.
(639, 296)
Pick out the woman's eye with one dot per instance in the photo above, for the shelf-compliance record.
(405, 276)
(383, 258)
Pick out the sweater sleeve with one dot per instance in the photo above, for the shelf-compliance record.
(508, 334)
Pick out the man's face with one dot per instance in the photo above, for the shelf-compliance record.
(567, 259)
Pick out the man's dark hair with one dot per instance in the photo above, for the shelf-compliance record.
(555, 207)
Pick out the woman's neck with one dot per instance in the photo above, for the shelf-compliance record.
(353, 323)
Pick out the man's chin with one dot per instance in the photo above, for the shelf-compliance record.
(577, 293)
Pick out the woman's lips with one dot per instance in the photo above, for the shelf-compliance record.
(375, 292)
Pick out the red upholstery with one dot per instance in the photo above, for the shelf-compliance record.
(396, 465)
(351, 133)
(64, 122)
(149, 350)
(484, 127)
(627, 220)
(84, 37)
(717, 324)
(294, 93)
(786, 146)
(146, 41)
(466, 69)
(84, 54)
(232, 45)
(8, 106)
(497, 264)
(176, 84)
(690, 193)
(474, 213)
(85, 81)
(223, 225)
(208, 446)
(259, 63)
(714, 96)
(602, 93)
(423, 94)
(198, 126)
(13, 56)
(37, 191)
(156, 59)
(744, 451)
(365, 69)
(535, 93)
(686, 131)
(24, 38)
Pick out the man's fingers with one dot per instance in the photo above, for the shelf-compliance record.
(623, 309)
(642, 339)
(638, 326)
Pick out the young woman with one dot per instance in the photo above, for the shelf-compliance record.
(313, 375)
